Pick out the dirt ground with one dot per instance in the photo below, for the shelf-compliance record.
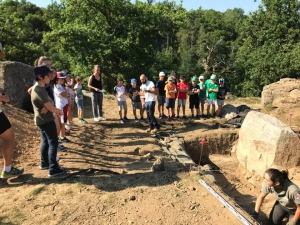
(108, 183)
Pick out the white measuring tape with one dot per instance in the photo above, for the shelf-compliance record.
(225, 203)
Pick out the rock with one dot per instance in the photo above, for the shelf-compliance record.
(148, 156)
(158, 165)
(228, 108)
(295, 93)
(142, 152)
(132, 198)
(265, 142)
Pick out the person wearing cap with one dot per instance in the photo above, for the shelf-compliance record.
(135, 98)
(161, 94)
(171, 90)
(202, 95)
(212, 90)
(194, 99)
(221, 96)
(45, 122)
(182, 88)
(71, 98)
(148, 90)
(61, 102)
(120, 92)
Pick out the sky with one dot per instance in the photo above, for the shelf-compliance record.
(218, 5)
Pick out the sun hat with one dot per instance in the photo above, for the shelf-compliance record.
(201, 77)
(133, 80)
(41, 70)
(170, 78)
(213, 77)
(162, 74)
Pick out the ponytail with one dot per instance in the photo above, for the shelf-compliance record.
(278, 176)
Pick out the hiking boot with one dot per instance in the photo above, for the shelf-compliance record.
(56, 172)
(14, 172)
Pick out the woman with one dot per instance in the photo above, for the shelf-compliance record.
(287, 196)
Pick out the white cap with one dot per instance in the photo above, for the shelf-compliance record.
(201, 77)
(162, 74)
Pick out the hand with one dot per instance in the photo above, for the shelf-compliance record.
(44, 110)
(291, 222)
(210, 90)
(254, 215)
(60, 113)
(5, 98)
(96, 89)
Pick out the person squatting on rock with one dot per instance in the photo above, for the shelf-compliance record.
(148, 90)
(45, 121)
(287, 196)
(95, 84)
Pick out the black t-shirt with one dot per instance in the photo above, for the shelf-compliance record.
(161, 87)
(194, 88)
(135, 98)
(96, 83)
(222, 92)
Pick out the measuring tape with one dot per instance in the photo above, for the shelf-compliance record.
(225, 203)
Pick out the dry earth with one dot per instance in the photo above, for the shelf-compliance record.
(108, 183)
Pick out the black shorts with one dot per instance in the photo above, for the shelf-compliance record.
(4, 123)
(194, 103)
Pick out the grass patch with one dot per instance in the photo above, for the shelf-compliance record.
(269, 107)
(13, 216)
(37, 190)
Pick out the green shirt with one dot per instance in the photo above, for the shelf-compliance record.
(212, 95)
(202, 93)
(39, 97)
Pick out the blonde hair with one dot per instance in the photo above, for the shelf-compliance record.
(42, 59)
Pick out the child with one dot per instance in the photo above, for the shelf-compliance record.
(212, 90)
(71, 97)
(194, 99)
(61, 102)
(182, 89)
(202, 95)
(120, 92)
(161, 94)
(79, 99)
(221, 95)
(170, 89)
(45, 121)
(135, 98)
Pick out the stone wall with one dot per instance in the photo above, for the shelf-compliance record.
(15, 79)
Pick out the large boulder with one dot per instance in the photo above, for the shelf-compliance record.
(264, 141)
(284, 93)
(15, 79)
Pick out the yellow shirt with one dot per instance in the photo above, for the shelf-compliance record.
(170, 87)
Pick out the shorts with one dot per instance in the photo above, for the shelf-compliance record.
(79, 103)
(170, 103)
(121, 105)
(5, 124)
(71, 98)
(136, 105)
(162, 100)
(220, 102)
(211, 101)
(194, 103)
(63, 118)
(181, 102)
(202, 100)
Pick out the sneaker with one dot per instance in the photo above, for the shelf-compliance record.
(148, 130)
(177, 117)
(136, 120)
(96, 120)
(45, 167)
(184, 117)
(61, 148)
(143, 120)
(56, 172)
(122, 121)
(83, 121)
(64, 139)
(68, 127)
(160, 116)
(169, 119)
(192, 116)
(164, 115)
(125, 118)
(14, 172)
(101, 118)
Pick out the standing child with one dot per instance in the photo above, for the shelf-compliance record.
(171, 90)
(71, 97)
(194, 99)
(202, 95)
(212, 90)
(120, 92)
(79, 99)
(61, 102)
(45, 121)
(135, 98)
(221, 95)
(182, 89)
(161, 94)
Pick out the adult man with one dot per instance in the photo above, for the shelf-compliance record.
(148, 90)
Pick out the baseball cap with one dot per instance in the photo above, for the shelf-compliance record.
(201, 78)
(133, 80)
(170, 78)
(213, 77)
(60, 75)
(221, 80)
(182, 77)
(41, 70)
(162, 74)
(194, 79)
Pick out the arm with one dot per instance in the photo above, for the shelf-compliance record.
(4, 98)
(90, 84)
(51, 108)
(259, 202)
(64, 94)
(296, 217)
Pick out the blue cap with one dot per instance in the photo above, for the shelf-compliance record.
(133, 80)
(41, 70)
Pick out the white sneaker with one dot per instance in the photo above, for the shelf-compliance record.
(96, 120)
(102, 118)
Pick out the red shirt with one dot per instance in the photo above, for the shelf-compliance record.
(182, 95)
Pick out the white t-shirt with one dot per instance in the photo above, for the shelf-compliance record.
(60, 101)
(149, 97)
(78, 88)
(120, 90)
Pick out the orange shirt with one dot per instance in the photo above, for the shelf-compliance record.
(170, 87)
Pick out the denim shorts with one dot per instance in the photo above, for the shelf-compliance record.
(170, 103)
(79, 103)
(162, 100)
